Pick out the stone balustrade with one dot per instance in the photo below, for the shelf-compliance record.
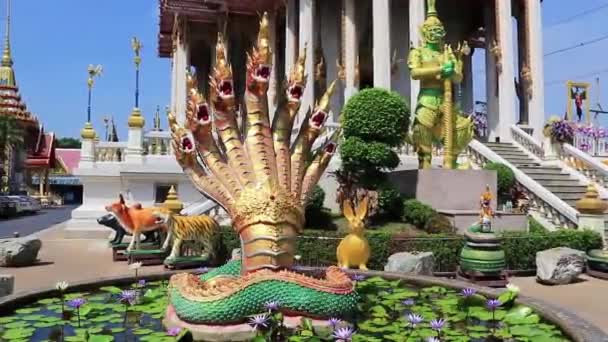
(585, 164)
(527, 142)
(106, 151)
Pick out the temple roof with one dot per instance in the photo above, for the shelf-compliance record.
(206, 11)
(68, 158)
(43, 155)
(10, 100)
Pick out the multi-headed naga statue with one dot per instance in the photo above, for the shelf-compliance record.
(262, 181)
(437, 66)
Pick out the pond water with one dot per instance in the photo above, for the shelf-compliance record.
(389, 311)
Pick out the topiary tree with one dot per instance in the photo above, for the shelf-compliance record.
(374, 122)
(505, 178)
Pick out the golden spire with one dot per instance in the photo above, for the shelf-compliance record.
(7, 74)
(591, 203)
(157, 119)
(431, 10)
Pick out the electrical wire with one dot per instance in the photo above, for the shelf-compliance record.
(578, 15)
(589, 42)
(593, 73)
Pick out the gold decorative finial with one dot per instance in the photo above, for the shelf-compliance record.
(591, 203)
(136, 120)
(263, 42)
(136, 45)
(88, 132)
(298, 69)
(94, 71)
(324, 101)
(7, 59)
(172, 202)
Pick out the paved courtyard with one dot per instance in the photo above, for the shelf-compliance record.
(82, 260)
(29, 224)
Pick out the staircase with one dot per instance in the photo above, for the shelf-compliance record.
(552, 178)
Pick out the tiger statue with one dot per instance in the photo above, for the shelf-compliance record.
(201, 228)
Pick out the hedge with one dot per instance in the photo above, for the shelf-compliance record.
(318, 248)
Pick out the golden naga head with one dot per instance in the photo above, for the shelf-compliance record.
(432, 29)
(197, 111)
(320, 115)
(259, 63)
(297, 80)
(221, 84)
(182, 143)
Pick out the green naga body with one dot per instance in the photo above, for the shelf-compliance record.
(436, 66)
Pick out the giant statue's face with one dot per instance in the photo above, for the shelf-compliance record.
(433, 33)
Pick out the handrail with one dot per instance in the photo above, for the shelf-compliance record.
(527, 142)
(560, 207)
(585, 164)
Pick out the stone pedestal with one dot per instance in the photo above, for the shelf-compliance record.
(445, 189)
(502, 222)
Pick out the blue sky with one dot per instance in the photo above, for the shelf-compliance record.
(53, 42)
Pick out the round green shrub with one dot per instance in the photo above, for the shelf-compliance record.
(417, 213)
(439, 224)
(390, 204)
(316, 199)
(359, 155)
(376, 114)
(505, 178)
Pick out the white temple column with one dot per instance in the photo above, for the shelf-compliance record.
(467, 85)
(491, 74)
(506, 88)
(536, 105)
(182, 62)
(307, 34)
(417, 15)
(291, 34)
(350, 49)
(87, 153)
(382, 43)
(272, 84)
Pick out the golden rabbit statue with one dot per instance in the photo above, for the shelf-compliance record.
(354, 250)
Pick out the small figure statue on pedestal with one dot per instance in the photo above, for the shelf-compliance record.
(486, 213)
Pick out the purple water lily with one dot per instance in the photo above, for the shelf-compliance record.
(468, 292)
(272, 305)
(141, 282)
(493, 304)
(437, 324)
(76, 303)
(174, 331)
(343, 334)
(127, 297)
(259, 321)
(408, 302)
(202, 270)
(334, 322)
(358, 277)
(414, 319)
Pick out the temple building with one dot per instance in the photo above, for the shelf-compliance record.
(365, 43)
(35, 156)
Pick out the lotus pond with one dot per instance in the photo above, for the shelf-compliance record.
(389, 311)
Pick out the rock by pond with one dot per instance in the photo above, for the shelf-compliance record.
(406, 262)
(558, 266)
(18, 252)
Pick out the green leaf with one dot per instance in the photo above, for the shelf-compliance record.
(379, 311)
(111, 289)
(45, 324)
(8, 319)
(26, 311)
(100, 338)
(507, 297)
(47, 301)
(19, 333)
(16, 325)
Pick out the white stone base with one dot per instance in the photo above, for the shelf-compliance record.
(83, 225)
